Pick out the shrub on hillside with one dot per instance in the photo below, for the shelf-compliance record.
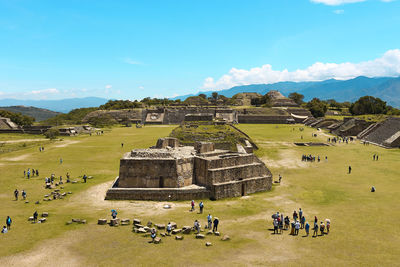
(317, 107)
(52, 133)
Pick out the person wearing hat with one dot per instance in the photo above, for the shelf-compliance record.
(322, 228)
(328, 225)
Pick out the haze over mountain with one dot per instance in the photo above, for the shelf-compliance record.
(61, 105)
(386, 88)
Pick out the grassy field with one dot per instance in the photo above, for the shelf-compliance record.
(364, 225)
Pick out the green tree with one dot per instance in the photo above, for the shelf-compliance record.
(317, 107)
(296, 97)
(368, 105)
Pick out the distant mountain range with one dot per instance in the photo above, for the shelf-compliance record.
(39, 114)
(386, 88)
(62, 105)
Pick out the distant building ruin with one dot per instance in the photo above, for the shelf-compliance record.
(169, 171)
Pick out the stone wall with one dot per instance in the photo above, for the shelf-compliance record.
(264, 119)
(241, 188)
(155, 173)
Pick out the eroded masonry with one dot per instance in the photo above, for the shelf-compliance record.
(169, 171)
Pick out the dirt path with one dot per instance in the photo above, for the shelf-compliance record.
(40, 255)
(67, 143)
(17, 158)
(94, 198)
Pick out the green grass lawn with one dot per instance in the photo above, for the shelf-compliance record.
(364, 225)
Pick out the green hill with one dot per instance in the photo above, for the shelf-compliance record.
(39, 114)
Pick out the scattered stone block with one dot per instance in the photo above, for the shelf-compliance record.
(157, 240)
(64, 194)
(142, 230)
(45, 214)
(83, 222)
(114, 222)
(217, 233)
(178, 237)
(149, 224)
(200, 236)
(160, 226)
(46, 196)
(174, 225)
(186, 229)
(56, 190)
(68, 223)
(176, 231)
(136, 221)
(42, 220)
(69, 192)
(30, 218)
(125, 222)
(26, 202)
(138, 225)
(76, 220)
(162, 234)
(147, 229)
(208, 244)
(37, 202)
(74, 182)
(225, 238)
(61, 187)
(209, 233)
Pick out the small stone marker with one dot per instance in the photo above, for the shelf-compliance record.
(160, 226)
(37, 202)
(174, 225)
(208, 244)
(114, 222)
(142, 230)
(76, 220)
(176, 231)
(125, 222)
(45, 214)
(162, 234)
(149, 224)
(178, 237)
(225, 238)
(26, 202)
(200, 236)
(136, 221)
(186, 229)
(69, 192)
(217, 233)
(42, 220)
(83, 222)
(68, 223)
(209, 233)
(157, 240)
(30, 218)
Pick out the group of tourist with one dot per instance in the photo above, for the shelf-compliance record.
(16, 194)
(41, 148)
(340, 139)
(281, 223)
(7, 227)
(375, 157)
(312, 158)
(31, 172)
(201, 206)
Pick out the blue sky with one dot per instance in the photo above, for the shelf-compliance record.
(133, 49)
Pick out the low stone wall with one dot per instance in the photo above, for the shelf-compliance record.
(241, 188)
(264, 119)
(157, 194)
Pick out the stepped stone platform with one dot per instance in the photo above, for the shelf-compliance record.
(385, 134)
(169, 171)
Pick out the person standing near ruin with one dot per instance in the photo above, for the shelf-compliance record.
(377, 157)
(84, 178)
(8, 222)
(215, 224)
(61, 160)
(122, 145)
(322, 228)
(23, 194)
(201, 206)
(275, 223)
(37, 172)
(153, 235)
(315, 229)
(349, 169)
(35, 216)
(297, 228)
(295, 216)
(197, 226)
(169, 228)
(302, 221)
(374, 157)
(300, 213)
(16, 194)
(28, 173)
(24, 173)
(328, 225)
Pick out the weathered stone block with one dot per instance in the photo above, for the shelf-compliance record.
(200, 236)
(178, 237)
(102, 221)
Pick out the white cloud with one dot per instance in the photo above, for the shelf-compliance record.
(336, 2)
(108, 86)
(131, 61)
(338, 11)
(141, 87)
(388, 65)
(44, 91)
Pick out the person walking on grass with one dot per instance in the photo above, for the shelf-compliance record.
(328, 225)
(16, 194)
(302, 221)
(201, 206)
(215, 224)
(35, 216)
(84, 178)
(280, 225)
(197, 226)
(322, 228)
(153, 235)
(23, 194)
(192, 205)
(297, 228)
(275, 223)
(307, 228)
(169, 228)
(209, 221)
(300, 213)
(8, 222)
(315, 229)
(349, 169)
(295, 216)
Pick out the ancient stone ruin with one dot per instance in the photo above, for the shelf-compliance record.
(170, 171)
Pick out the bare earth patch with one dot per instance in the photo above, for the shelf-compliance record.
(288, 159)
(18, 158)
